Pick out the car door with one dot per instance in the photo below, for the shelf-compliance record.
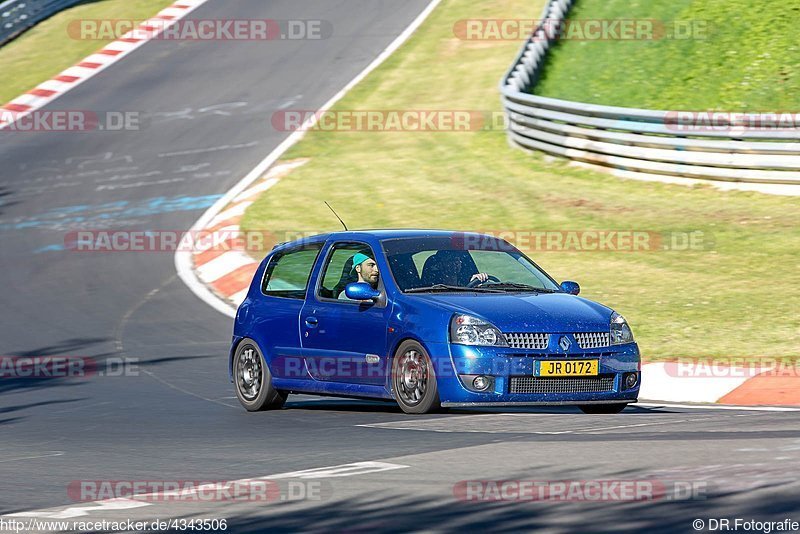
(277, 310)
(343, 340)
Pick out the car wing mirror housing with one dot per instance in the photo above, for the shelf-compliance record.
(361, 291)
(570, 287)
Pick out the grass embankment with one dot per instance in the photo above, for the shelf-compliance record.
(739, 56)
(48, 48)
(737, 298)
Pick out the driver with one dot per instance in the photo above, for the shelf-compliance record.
(452, 268)
(367, 271)
(458, 271)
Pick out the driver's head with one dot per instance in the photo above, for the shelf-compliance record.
(366, 268)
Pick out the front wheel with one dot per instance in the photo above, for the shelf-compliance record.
(253, 380)
(414, 380)
(603, 408)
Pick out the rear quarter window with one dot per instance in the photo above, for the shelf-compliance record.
(288, 272)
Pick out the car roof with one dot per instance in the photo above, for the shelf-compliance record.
(379, 234)
(394, 233)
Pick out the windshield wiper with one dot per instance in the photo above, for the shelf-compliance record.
(514, 285)
(445, 287)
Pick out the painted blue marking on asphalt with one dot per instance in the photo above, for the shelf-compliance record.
(49, 248)
(65, 216)
(163, 205)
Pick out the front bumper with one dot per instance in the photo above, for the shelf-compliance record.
(524, 403)
(511, 373)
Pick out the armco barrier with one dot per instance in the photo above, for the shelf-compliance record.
(16, 16)
(639, 140)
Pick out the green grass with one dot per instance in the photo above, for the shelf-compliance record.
(740, 299)
(746, 61)
(47, 48)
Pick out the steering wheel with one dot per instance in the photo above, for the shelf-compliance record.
(476, 282)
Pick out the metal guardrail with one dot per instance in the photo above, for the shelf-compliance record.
(640, 141)
(16, 16)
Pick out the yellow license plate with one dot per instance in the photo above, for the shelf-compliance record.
(565, 368)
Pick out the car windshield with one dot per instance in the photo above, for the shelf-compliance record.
(463, 262)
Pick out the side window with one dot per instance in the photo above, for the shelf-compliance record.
(338, 270)
(287, 273)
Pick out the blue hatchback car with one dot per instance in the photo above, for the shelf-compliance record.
(429, 319)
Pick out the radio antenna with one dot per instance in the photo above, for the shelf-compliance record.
(336, 214)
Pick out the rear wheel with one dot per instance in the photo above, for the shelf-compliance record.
(414, 380)
(253, 380)
(603, 408)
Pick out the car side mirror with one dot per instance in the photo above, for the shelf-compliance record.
(361, 291)
(570, 287)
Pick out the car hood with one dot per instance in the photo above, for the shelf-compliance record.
(527, 312)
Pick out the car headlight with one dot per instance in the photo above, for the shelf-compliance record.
(469, 330)
(620, 331)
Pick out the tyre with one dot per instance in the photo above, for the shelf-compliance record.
(414, 379)
(252, 379)
(603, 408)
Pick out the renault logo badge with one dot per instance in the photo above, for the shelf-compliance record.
(564, 343)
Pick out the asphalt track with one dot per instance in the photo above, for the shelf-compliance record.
(208, 108)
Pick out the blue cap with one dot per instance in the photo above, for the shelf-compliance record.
(358, 259)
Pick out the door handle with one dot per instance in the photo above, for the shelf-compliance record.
(312, 322)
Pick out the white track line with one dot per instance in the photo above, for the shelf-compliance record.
(654, 404)
(234, 211)
(45, 455)
(183, 259)
(336, 471)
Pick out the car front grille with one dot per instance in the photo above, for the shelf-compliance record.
(527, 340)
(592, 340)
(533, 384)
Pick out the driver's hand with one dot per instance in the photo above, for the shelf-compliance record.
(479, 276)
